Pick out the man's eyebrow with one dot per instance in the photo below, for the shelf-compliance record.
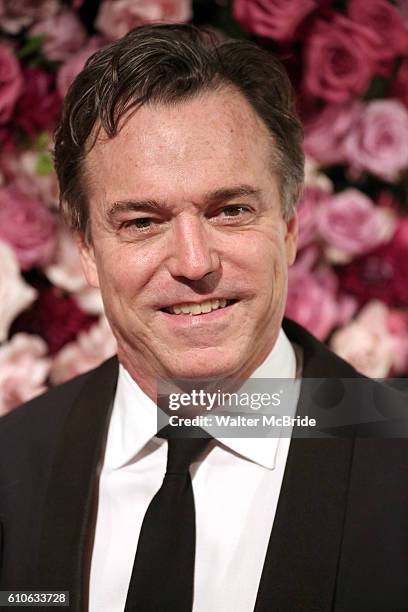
(228, 193)
(117, 208)
(211, 197)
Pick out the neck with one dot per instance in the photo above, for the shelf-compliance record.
(148, 378)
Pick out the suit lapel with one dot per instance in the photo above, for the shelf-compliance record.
(300, 568)
(72, 483)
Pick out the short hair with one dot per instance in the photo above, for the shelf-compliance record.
(165, 64)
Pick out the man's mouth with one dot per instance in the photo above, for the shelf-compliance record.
(197, 309)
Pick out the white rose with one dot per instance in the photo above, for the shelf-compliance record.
(15, 294)
(23, 370)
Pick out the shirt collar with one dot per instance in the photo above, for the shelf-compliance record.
(134, 423)
(280, 363)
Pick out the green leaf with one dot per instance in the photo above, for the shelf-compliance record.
(32, 46)
(42, 141)
(44, 164)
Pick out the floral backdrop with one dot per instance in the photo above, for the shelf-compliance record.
(348, 61)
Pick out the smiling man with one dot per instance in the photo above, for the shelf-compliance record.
(180, 164)
(190, 206)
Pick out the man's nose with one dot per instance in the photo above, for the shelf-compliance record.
(193, 254)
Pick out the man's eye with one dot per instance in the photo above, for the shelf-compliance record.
(233, 211)
(140, 223)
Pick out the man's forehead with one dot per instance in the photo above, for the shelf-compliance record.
(211, 141)
(192, 121)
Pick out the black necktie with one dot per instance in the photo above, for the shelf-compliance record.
(163, 572)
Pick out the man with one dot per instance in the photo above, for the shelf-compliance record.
(180, 164)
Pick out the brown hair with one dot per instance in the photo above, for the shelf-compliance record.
(164, 64)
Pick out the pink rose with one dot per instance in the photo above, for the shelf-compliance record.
(308, 210)
(379, 142)
(314, 177)
(73, 66)
(18, 14)
(90, 301)
(366, 342)
(306, 260)
(65, 270)
(87, 352)
(399, 87)
(64, 34)
(15, 294)
(314, 303)
(23, 370)
(397, 324)
(27, 226)
(10, 82)
(351, 223)
(325, 134)
(277, 19)
(339, 59)
(32, 172)
(43, 182)
(385, 22)
(116, 17)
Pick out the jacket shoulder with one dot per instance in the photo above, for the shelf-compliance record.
(36, 423)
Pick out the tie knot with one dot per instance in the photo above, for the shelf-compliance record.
(183, 451)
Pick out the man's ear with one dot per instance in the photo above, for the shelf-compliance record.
(291, 238)
(87, 256)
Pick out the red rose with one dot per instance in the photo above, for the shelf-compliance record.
(7, 143)
(402, 6)
(277, 19)
(382, 274)
(40, 104)
(10, 82)
(55, 317)
(385, 22)
(339, 59)
(400, 84)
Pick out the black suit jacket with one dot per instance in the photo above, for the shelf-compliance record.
(340, 536)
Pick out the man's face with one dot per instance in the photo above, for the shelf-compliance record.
(186, 215)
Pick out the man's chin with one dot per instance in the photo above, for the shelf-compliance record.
(205, 364)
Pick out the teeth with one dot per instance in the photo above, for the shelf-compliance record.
(206, 306)
(196, 309)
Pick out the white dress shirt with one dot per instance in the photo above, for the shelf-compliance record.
(236, 487)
